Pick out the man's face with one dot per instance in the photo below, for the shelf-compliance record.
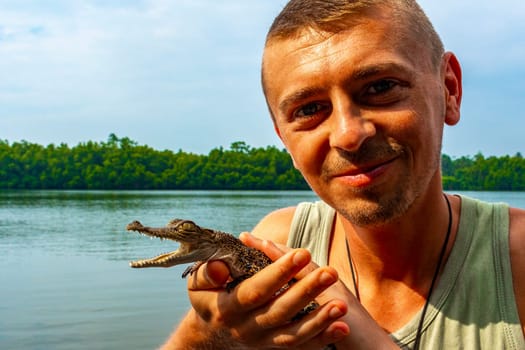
(362, 114)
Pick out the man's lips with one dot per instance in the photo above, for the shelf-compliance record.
(364, 175)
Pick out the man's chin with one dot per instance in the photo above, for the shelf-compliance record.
(372, 211)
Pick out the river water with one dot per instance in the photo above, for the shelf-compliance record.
(65, 282)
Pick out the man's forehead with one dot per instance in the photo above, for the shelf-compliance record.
(306, 38)
(313, 34)
(371, 34)
(311, 43)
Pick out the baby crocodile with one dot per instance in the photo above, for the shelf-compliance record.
(199, 245)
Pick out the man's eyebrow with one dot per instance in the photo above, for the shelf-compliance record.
(367, 72)
(299, 95)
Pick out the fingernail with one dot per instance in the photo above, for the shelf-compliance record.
(244, 234)
(326, 279)
(206, 276)
(335, 312)
(301, 258)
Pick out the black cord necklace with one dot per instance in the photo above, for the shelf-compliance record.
(434, 278)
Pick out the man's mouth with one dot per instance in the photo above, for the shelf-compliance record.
(364, 175)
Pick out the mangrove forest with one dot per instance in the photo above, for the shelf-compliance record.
(121, 163)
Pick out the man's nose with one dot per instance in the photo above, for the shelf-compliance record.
(349, 129)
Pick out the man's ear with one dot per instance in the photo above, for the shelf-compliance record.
(453, 88)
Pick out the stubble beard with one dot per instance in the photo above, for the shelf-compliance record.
(369, 208)
(373, 206)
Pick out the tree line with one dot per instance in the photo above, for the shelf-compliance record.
(479, 173)
(121, 163)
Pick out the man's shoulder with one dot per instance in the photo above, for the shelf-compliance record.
(517, 233)
(517, 230)
(517, 217)
(517, 247)
(275, 226)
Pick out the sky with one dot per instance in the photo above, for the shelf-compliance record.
(184, 74)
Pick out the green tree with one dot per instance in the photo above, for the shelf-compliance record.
(121, 163)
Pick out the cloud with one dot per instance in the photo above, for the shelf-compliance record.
(148, 69)
(108, 63)
(488, 36)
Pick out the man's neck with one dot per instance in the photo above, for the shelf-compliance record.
(404, 247)
(395, 262)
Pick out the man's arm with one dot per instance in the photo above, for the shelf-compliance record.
(193, 333)
(517, 258)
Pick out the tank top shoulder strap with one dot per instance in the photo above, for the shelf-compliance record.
(311, 229)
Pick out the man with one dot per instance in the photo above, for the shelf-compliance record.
(359, 93)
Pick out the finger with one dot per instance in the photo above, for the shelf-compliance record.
(292, 301)
(312, 330)
(261, 288)
(211, 275)
(204, 288)
(272, 250)
(316, 330)
(334, 333)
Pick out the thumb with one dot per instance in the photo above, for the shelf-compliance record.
(212, 275)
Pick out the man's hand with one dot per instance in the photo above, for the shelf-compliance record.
(356, 329)
(252, 316)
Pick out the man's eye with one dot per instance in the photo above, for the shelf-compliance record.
(310, 110)
(381, 86)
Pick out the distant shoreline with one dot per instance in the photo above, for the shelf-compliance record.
(122, 164)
